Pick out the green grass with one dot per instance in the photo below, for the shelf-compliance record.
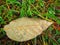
(12, 9)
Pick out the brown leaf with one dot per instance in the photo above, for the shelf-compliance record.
(56, 26)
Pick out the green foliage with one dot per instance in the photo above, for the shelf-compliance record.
(51, 15)
(32, 1)
(2, 33)
(11, 1)
(1, 20)
(23, 9)
(41, 3)
(57, 2)
(9, 14)
(57, 32)
(58, 40)
(58, 21)
(22, 12)
(53, 43)
(2, 7)
(29, 12)
(57, 11)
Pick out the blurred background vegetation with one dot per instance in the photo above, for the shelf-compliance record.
(44, 9)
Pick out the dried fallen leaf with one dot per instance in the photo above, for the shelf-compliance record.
(56, 26)
(24, 29)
